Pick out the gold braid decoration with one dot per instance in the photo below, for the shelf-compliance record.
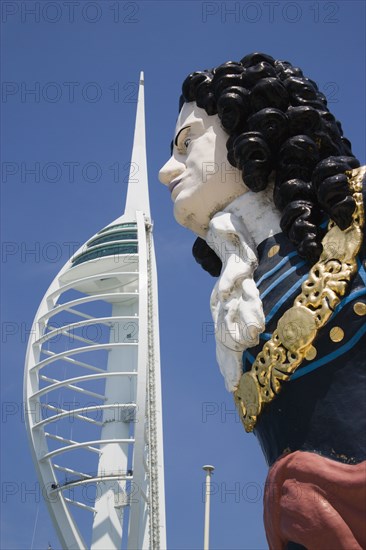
(327, 282)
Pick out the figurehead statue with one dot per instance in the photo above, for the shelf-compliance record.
(261, 172)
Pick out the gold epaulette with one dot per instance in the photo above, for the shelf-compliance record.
(292, 340)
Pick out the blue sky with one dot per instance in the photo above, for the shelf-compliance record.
(64, 153)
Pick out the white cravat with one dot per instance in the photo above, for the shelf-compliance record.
(236, 307)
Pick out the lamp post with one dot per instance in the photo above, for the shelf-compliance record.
(206, 540)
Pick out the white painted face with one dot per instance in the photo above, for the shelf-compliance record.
(198, 175)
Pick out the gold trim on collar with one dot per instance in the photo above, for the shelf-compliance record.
(327, 282)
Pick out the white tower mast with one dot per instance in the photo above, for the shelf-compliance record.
(92, 383)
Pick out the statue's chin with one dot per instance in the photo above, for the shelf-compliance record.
(189, 220)
(194, 208)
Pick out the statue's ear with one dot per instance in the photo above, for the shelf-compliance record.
(206, 257)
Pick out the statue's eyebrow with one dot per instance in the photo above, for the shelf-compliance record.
(178, 134)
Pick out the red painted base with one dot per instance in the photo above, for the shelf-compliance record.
(316, 502)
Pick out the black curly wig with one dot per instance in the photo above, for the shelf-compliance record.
(278, 122)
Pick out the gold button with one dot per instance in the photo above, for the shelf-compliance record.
(311, 353)
(360, 308)
(273, 251)
(336, 334)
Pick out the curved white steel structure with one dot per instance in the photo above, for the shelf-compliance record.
(92, 384)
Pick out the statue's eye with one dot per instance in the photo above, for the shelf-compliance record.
(183, 140)
(183, 146)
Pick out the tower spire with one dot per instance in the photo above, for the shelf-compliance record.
(137, 191)
(114, 272)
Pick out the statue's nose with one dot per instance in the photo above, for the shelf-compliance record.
(171, 170)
